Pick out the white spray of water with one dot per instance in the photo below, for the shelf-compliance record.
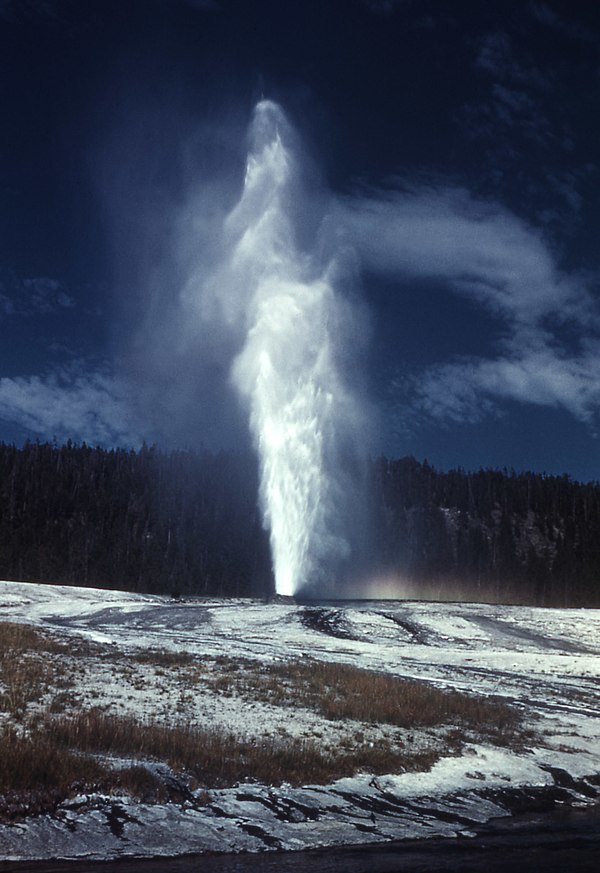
(302, 415)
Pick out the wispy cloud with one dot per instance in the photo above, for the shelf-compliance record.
(573, 28)
(523, 121)
(72, 403)
(468, 391)
(497, 57)
(518, 93)
(483, 251)
(37, 296)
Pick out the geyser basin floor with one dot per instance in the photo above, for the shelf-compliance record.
(547, 662)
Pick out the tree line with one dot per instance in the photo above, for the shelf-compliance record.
(187, 523)
(490, 534)
(178, 522)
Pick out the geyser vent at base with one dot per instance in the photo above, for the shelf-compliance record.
(282, 598)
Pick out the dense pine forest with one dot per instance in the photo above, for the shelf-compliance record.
(146, 521)
(490, 534)
(187, 523)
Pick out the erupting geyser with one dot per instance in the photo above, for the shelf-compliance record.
(294, 326)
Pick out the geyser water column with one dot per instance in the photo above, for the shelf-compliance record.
(302, 415)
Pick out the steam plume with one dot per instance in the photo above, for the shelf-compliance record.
(288, 371)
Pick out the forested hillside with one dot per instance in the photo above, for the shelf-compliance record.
(142, 521)
(188, 523)
(515, 537)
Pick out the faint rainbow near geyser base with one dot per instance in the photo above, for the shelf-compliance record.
(303, 417)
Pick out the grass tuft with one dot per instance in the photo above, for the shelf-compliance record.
(16, 637)
(25, 671)
(36, 774)
(340, 692)
(217, 759)
(163, 658)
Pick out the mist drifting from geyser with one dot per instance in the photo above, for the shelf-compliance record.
(290, 371)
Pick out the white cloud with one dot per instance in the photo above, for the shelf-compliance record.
(468, 391)
(481, 249)
(94, 406)
(486, 253)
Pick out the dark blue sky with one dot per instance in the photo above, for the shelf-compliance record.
(453, 146)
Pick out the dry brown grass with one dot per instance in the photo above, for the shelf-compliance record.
(163, 658)
(25, 669)
(36, 775)
(140, 782)
(16, 637)
(218, 759)
(341, 692)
